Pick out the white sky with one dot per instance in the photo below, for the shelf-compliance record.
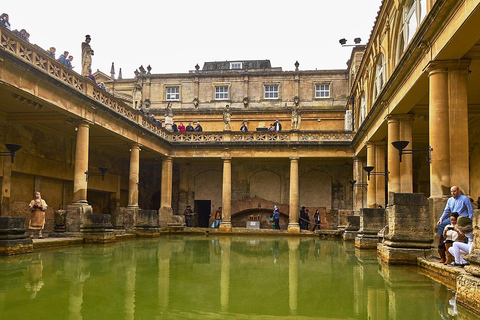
(173, 36)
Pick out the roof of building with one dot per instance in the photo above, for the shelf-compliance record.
(236, 65)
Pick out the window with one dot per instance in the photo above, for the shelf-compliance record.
(173, 93)
(271, 92)
(322, 91)
(236, 65)
(413, 13)
(380, 75)
(221, 93)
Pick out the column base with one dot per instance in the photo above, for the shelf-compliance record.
(13, 239)
(146, 224)
(392, 255)
(16, 246)
(97, 228)
(225, 227)
(349, 235)
(165, 215)
(293, 228)
(75, 214)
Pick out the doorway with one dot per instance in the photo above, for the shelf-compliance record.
(202, 208)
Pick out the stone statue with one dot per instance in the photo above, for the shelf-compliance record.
(226, 118)
(87, 54)
(169, 117)
(295, 117)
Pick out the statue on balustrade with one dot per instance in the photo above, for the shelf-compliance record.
(87, 54)
(227, 115)
(295, 117)
(169, 117)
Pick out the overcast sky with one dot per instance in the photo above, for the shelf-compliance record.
(173, 36)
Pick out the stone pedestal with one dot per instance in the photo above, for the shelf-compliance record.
(351, 230)
(75, 215)
(410, 229)
(59, 217)
(97, 228)
(468, 284)
(146, 224)
(372, 220)
(343, 218)
(13, 237)
(124, 219)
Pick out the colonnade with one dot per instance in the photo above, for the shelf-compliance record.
(81, 183)
(448, 138)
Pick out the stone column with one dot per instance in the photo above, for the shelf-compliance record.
(380, 179)
(81, 164)
(133, 176)
(165, 210)
(406, 166)
(371, 188)
(439, 130)
(358, 192)
(6, 186)
(226, 225)
(458, 125)
(293, 226)
(394, 184)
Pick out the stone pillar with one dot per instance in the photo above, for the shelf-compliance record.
(165, 210)
(439, 130)
(358, 190)
(372, 220)
(380, 178)
(394, 183)
(293, 226)
(293, 259)
(410, 231)
(458, 125)
(371, 188)
(226, 225)
(133, 176)
(406, 166)
(81, 164)
(6, 186)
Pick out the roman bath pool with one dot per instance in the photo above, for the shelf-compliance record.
(215, 277)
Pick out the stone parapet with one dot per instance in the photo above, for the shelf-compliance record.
(372, 220)
(13, 237)
(147, 223)
(97, 228)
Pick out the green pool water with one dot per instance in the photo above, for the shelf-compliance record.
(201, 277)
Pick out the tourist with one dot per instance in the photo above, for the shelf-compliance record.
(37, 217)
(101, 85)
(181, 127)
(63, 58)
(69, 62)
(189, 127)
(450, 235)
(87, 54)
(301, 218)
(277, 125)
(91, 76)
(316, 217)
(51, 52)
(174, 127)
(188, 213)
(218, 217)
(457, 203)
(198, 128)
(271, 128)
(276, 217)
(243, 127)
(307, 220)
(4, 20)
(23, 34)
(464, 227)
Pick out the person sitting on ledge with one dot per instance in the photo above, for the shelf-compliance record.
(464, 227)
(450, 235)
(457, 203)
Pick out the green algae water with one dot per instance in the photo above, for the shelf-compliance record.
(210, 277)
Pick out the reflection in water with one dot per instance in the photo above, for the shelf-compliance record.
(218, 277)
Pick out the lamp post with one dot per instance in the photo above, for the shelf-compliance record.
(102, 173)
(354, 184)
(369, 171)
(401, 145)
(12, 148)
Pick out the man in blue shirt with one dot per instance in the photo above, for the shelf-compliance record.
(457, 203)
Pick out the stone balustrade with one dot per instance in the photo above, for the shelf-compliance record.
(39, 58)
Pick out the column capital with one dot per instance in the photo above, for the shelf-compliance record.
(227, 158)
(439, 66)
(167, 158)
(134, 146)
(399, 117)
(294, 158)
